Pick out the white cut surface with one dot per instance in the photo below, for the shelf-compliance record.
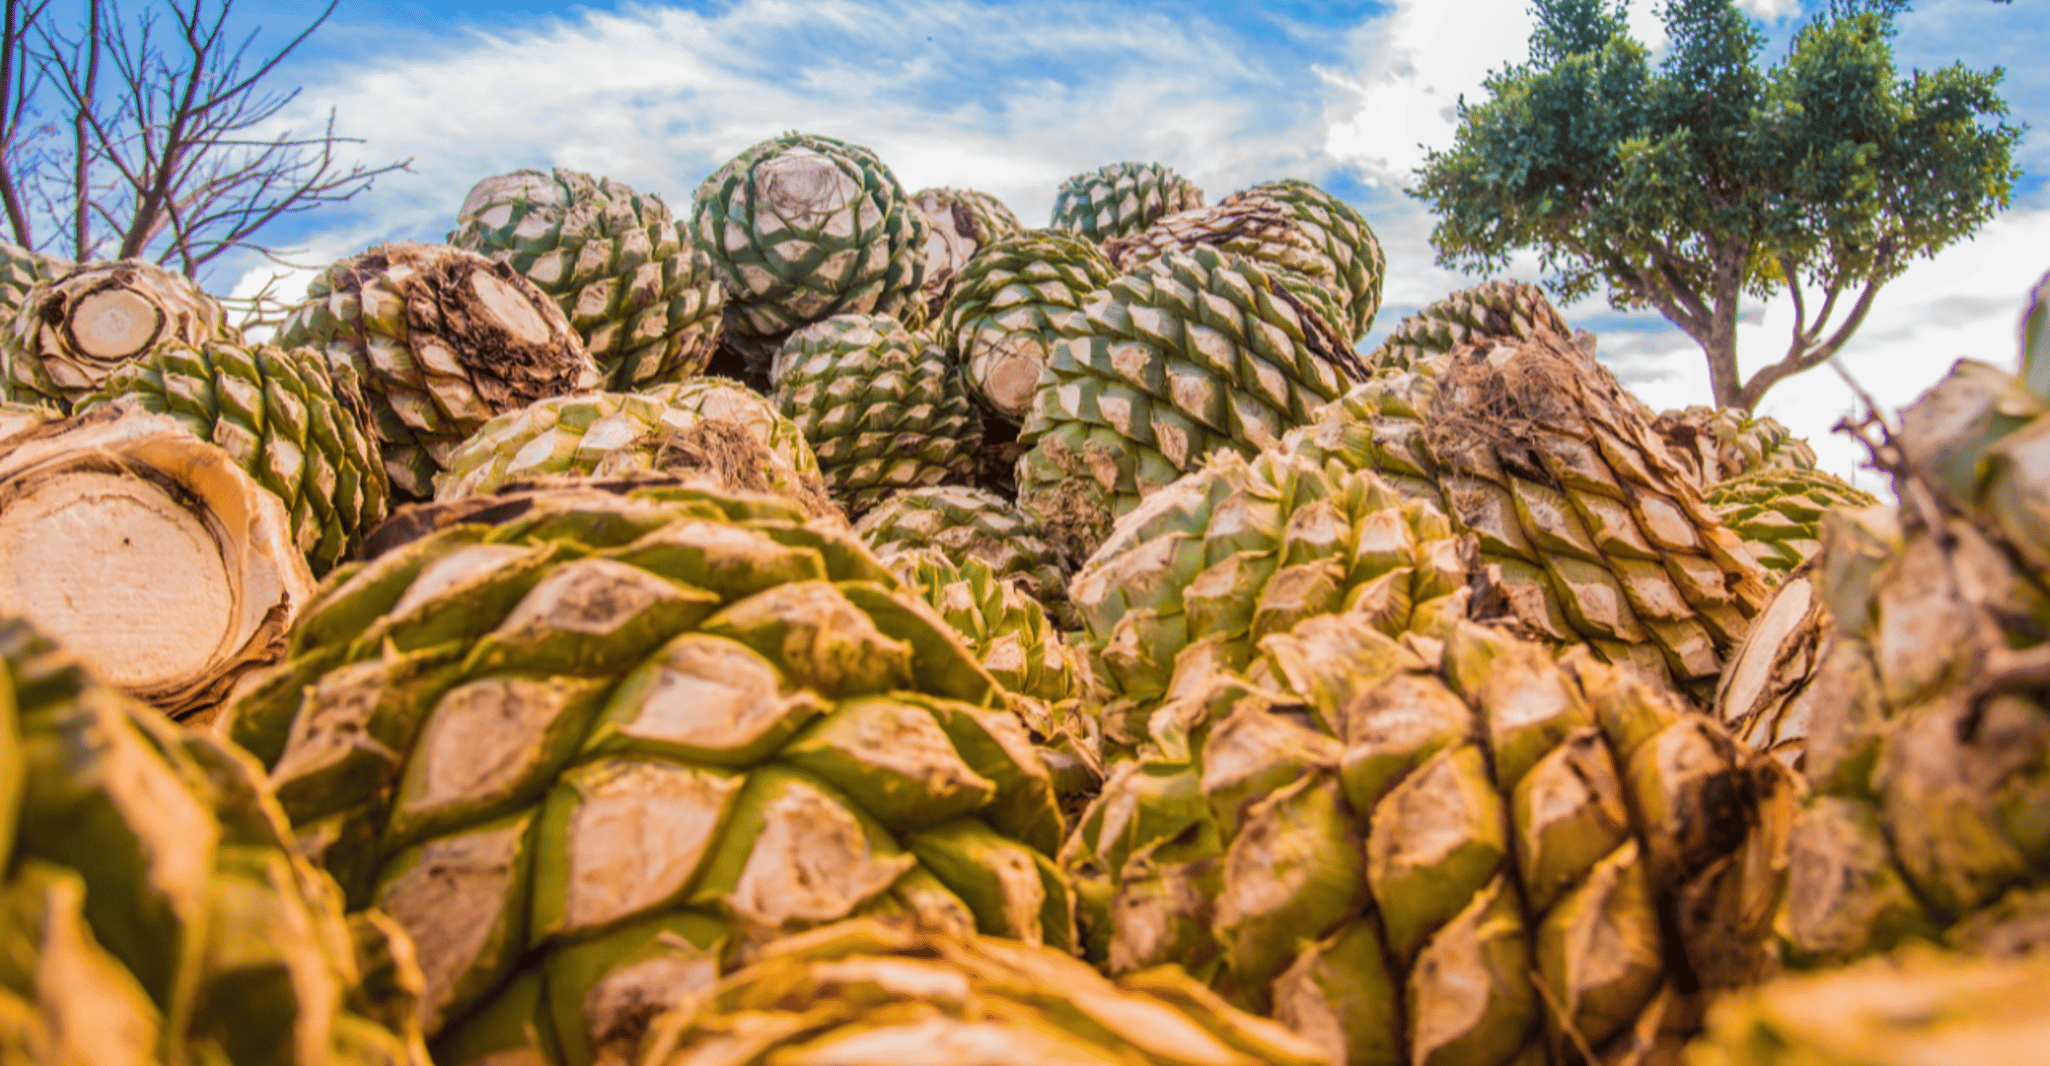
(114, 323)
(119, 572)
(1762, 649)
(450, 903)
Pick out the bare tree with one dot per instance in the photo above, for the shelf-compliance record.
(157, 137)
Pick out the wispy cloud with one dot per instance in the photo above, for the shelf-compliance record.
(1011, 100)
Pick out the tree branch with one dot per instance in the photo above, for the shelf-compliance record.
(170, 164)
(15, 90)
(1793, 283)
(1798, 359)
(82, 149)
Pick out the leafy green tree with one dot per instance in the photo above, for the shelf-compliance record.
(1686, 185)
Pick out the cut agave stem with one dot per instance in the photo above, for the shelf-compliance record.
(73, 330)
(148, 552)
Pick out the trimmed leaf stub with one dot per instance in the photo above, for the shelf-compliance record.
(1591, 523)
(148, 552)
(1451, 849)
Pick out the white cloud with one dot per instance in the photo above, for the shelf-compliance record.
(1769, 10)
(1008, 100)
(1416, 63)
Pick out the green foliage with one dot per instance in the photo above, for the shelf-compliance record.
(1686, 184)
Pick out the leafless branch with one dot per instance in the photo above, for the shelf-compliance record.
(178, 152)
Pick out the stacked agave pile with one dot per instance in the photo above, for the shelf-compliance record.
(1595, 531)
(620, 735)
(1188, 687)
(1451, 851)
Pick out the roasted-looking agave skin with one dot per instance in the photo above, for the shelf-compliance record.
(1927, 744)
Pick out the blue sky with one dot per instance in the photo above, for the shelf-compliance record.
(1012, 97)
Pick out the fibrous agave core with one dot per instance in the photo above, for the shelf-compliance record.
(963, 223)
(150, 553)
(296, 423)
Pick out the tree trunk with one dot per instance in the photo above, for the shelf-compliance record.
(1720, 345)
